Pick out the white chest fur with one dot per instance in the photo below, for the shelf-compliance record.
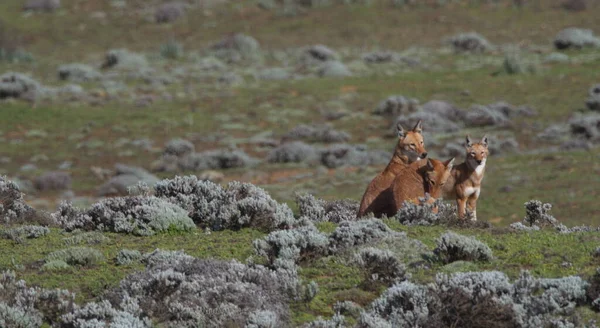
(472, 191)
(479, 169)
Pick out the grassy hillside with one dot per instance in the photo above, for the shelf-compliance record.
(197, 79)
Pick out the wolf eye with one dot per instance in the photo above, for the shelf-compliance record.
(473, 153)
(432, 182)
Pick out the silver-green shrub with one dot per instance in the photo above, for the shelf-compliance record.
(127, 256)
(84, 256)
(90, 238)
(380, 265)
(292, 152)
(139, 215)
(355, 233)
(285, 248)
(319, 210)
(29, 231)
(236, 206)
(454, 247)
(209, 293)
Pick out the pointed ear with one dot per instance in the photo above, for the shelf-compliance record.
(449, 163)
(400, 130)
(429, 165)
(484, 140)
(468, 141)
(418, 127)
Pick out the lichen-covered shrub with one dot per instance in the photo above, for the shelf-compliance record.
(337, 321)
(237, 47)
(380, 265)
(515, 64)
(285, 248)
(90, 238)
(124, 178)
(454, 247)
(52, 181)
(78, 73)
(208, 293)
(293, 152)
(334, 68)
(355, 233)
(402, 305)
(169, 12)
(127, 256)
(319, 210)
(538, 213)
(13, 316)
(103, 313)
(338, 155)
(83, 256)
(139, 215)
(476, 299)
(415, 214)
(236, 206)
(124, 59)
(171, 50)
(321, 52)
(479, 115)
(215, 159)
(586, 126)
(179, 147)
(469, 42)
(12, 205)
(29, 231)
(593, 101)
(33, 305)
(396, 105)
(576, 38)
(434, 121)
(316, 133)
(54, 265)
(20, 86)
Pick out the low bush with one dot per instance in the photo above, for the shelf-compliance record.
(454, 247)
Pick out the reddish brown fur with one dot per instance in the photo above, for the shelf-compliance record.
(464, 184)
(413, 182)
(410, 148)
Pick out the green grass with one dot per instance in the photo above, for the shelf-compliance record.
(90, 282)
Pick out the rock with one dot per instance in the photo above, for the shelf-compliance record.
(42, 5)
(444, 109)
(275, 74)
(17, 85)
(586, 126)
(381, 57)
(169, 12)
(55, 180)
(321, 53)
(479, 115)
(576, 38)
(431, 122)
(179, 147)
(124, 59)
(125, 177)
(78, 73)
(237, 47)
(593, 101)
(505, 145)
(396, 105)
(292, 152)
(469, 42)
(334, 69)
